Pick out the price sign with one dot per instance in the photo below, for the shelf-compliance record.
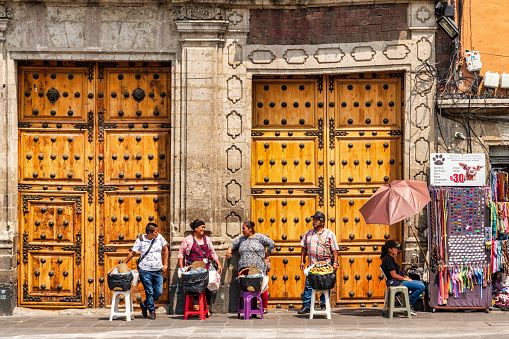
(454, 169)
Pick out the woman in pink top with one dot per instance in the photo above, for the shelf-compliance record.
(198, 247)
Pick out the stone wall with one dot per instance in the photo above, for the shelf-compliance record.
(324, 25)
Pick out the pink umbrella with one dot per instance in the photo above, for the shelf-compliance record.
(395, 201)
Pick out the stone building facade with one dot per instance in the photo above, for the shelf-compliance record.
(217, 58)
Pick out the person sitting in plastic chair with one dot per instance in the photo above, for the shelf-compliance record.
(394, 276)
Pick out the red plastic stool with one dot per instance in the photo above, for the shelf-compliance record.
(202, 301)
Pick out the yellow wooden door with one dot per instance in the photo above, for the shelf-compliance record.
(324, 143)
(287, 172)
(94, 169)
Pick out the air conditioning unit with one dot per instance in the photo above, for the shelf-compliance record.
(491, 79)
(504, 81)
(473, 60)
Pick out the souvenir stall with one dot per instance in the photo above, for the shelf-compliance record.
(499, 221)
(459, 232)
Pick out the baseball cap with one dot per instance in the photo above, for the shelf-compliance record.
(392, 244)
(318, 215)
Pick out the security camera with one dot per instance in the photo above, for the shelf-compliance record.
(459, 135)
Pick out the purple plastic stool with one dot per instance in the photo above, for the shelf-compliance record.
(245, 305)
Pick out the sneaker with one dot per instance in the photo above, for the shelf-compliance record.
(265, 311)
(143, 309)
(303, 310)
(152, 315)
(412, 312)
(322, 306)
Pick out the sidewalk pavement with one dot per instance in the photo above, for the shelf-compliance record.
(345, 323)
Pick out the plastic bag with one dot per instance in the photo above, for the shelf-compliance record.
(322, 281)
(214, 279)
(120, 281)
(195, 281)
(251, 283)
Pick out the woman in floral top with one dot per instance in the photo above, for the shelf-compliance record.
(254, 250)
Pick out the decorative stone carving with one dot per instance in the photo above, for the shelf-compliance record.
(6, 12)
(396, 52)
(233, 159)
(234, 54)
(421, 175)
(423, 14)
(235, 18)
(423, 82)
(233, 124)
(199, 13)
(421, 150)
(295, 56)
(233, 224)
(328, 55)
(261, 57)
(233, 192)
(423, 49)
(234, 89)
(363, 53)
(422, 116)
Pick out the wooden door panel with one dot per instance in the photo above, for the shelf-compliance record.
(52, 246)
(139, 156)
(74, 119)
(128, 213)
(286, 280)
(58, 156)
(54, 93)
(367, 160)
(370, 103)
(359, 278)
(285, 103)
(330, 154)
(351, 226)
(134, 170)
(53, 274)
(284, 219)
(285, 161)
(137, 94)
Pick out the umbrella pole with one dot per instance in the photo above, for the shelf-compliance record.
(419, 244)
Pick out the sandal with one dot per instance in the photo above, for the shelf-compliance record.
(196, 307)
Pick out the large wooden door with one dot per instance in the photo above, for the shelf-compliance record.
(324, 143)
(93, 170)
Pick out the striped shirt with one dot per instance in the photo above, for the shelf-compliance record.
(319, 245)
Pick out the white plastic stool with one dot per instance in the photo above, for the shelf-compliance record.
(327, 310)
(115, 299)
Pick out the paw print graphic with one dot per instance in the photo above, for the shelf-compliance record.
(438, 159)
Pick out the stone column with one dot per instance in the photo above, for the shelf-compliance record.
(8, 174)
(420, 91)
(198, 99)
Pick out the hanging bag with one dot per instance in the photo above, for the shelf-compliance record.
(144, 255)
(214, 279)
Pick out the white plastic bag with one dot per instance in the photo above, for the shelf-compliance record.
(214, 279)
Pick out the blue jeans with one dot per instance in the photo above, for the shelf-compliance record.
(306, 296)
(153, 284)
(415, 289)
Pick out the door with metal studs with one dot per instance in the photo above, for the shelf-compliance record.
(325, 143)
(93, 170)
